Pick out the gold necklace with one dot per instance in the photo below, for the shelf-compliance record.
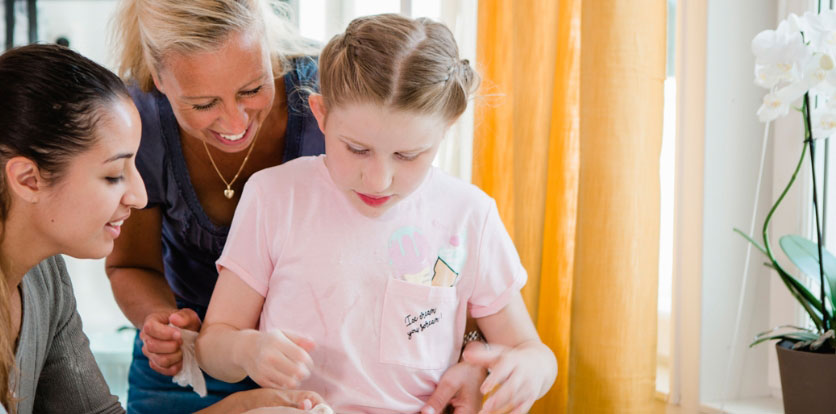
(229, 192)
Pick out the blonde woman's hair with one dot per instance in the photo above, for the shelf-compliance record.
(394, 61)
(147, 30)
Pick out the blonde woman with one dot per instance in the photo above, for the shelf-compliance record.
(220, 86)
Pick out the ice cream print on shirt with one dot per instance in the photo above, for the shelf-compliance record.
(414, 260)
(419, 311)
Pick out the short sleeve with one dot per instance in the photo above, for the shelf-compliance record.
(247, 252)
(499, 269)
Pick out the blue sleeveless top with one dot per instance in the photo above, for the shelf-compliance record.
(190, 241)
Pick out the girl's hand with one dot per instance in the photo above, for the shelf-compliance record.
(517, 376)
(161, 342)
(275, 359)
(459, 387)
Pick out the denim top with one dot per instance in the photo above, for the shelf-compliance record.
(190, 241)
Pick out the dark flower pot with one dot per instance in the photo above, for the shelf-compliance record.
(808, 380)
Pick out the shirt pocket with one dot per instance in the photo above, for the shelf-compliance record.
(417, 327)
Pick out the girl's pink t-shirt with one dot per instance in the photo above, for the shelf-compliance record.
(385, 299)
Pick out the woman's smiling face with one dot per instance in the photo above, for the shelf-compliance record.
(81, 213)
(223, 96)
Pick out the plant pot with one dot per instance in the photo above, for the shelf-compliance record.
(808, 380)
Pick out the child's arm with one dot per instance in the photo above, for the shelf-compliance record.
(522, 368)
(229, 347)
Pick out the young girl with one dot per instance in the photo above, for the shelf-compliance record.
(372, 324)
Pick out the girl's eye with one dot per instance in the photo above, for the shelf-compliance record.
(115, 180)
(406, 157)
(252, 92)
(204, 107)
(358, 151)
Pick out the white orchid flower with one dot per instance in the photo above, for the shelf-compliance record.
(779, 55)
(798, 23)
(777, 103)
(823, 122)
(820, 31)
(769, 76)
(773, 107)
(820, 74)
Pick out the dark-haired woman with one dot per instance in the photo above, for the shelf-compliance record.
(69, 135)
(68, 181)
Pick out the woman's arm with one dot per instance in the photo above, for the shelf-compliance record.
(263, 398)
(229, 347)
(135, 270)
(522, 368)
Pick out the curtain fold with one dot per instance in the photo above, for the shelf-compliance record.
(526, 151)
(567, 140)
(612, 361)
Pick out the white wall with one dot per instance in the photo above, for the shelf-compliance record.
(733, 139)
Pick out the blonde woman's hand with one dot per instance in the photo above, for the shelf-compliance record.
(274, 359)
(162, 342)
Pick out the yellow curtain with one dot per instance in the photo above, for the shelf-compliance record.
(526, 152)
(567, 141)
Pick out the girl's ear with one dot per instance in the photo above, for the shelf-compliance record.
(318, 109)
(24, 179)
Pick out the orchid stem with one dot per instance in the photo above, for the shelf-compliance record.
(808, 138)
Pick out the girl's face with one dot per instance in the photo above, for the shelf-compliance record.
(221, 97)
(377, 156)
(82, 212)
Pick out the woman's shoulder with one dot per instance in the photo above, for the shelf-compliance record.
(50, 278)
(149, 106)
(49, 290)
(154, 110)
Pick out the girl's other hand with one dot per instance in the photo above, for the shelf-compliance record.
(516, 376)
(276, 359)
(161, 342)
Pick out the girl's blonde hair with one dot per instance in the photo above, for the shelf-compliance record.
(147, 30)
(394, 61)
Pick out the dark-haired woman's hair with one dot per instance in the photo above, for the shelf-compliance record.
(51, 100)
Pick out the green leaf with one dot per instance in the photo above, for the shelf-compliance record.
(808, 301)
(805, 255)
(754, 243)
(795, 327)
(793, 336)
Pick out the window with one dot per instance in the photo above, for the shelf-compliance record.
(666, 177)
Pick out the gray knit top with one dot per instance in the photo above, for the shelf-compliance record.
(57, 372)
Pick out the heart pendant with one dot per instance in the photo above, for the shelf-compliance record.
(228, 193)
